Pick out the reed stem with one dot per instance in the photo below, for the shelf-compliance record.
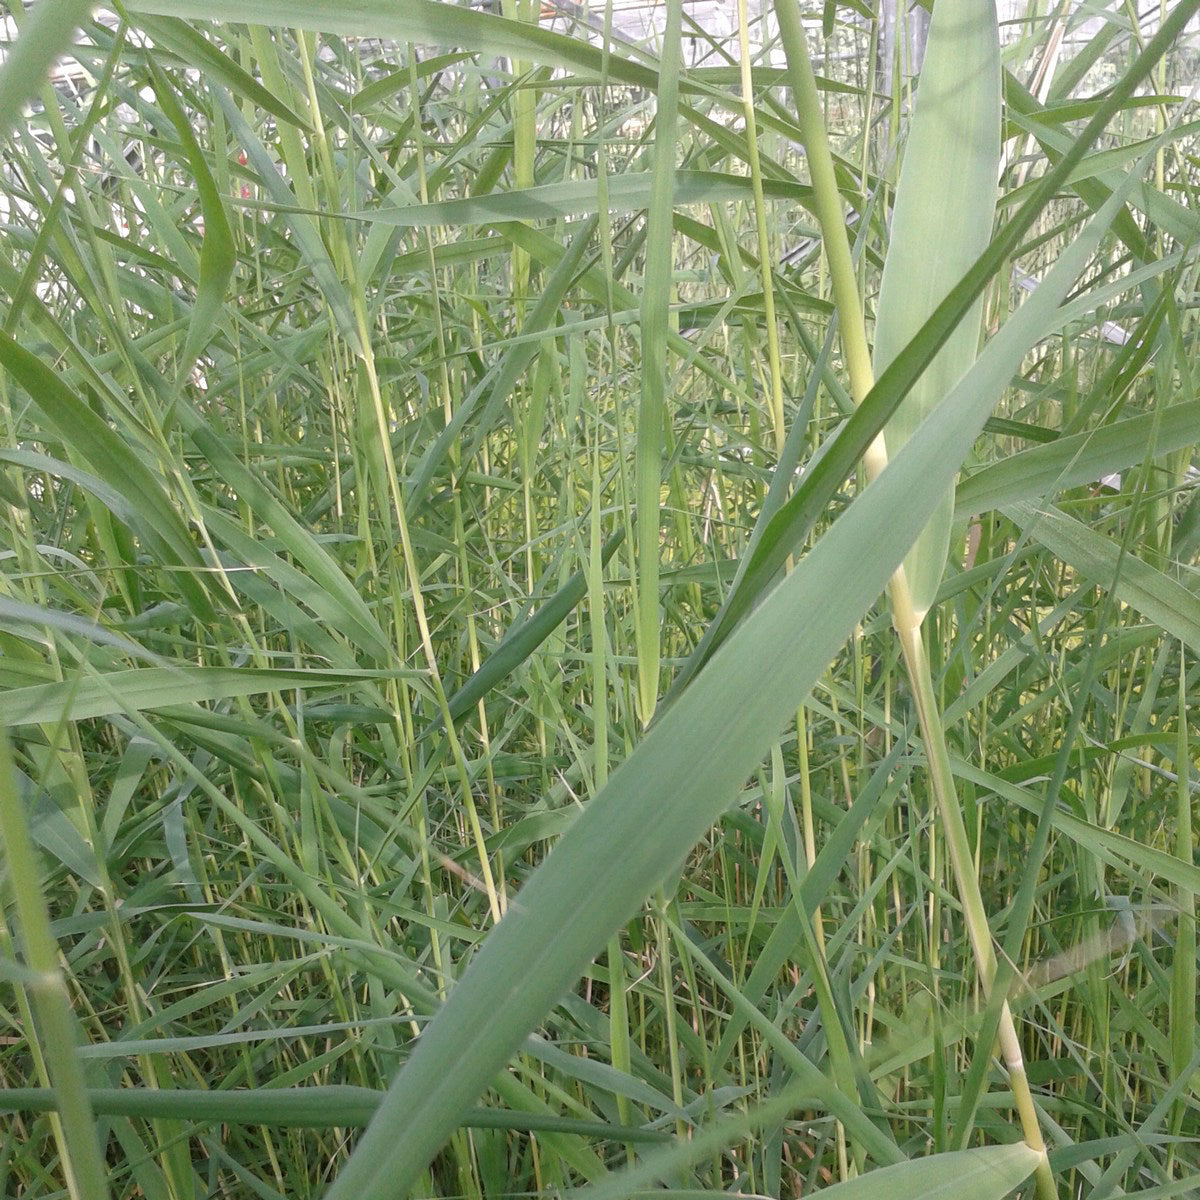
(848, 305)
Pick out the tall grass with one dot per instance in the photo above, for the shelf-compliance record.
(469, 728)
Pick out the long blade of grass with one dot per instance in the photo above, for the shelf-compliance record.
(682, 775)
(656, 299)
(524, 637)
(327, 1106)
(1164, 600)
(941, 223)
(1079, 458)
(983, 1173)
(629, 192)
(196, 50)
(150, 688)
(217, 255)
(422, 21)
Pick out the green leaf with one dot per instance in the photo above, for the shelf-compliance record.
(1080, 458)
(45, 32)
(112, 499)
(217, 255)
(942, 222)
(319, 1107)
(523, 638)
(197, 51)
(421, 21)
(16, 613)
(656, 299)
(628, 192)
(57, 1030)
(1156, 596)
(984, 1173)
(146, 689)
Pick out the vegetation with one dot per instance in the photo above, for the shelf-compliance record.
(495, 654)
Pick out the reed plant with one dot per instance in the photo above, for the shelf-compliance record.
(590, 616)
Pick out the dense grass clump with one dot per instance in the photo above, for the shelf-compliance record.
(585, 615)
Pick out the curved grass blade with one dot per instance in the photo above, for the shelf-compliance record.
(110, 497)
(669, 1162)
(421, 21)
(983, 1173)
(217, 255)
(16, 613)
(628, 192)
(197, 51)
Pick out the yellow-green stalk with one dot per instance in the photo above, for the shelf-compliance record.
(905, 617)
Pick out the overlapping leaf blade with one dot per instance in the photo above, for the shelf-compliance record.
(941, 223)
